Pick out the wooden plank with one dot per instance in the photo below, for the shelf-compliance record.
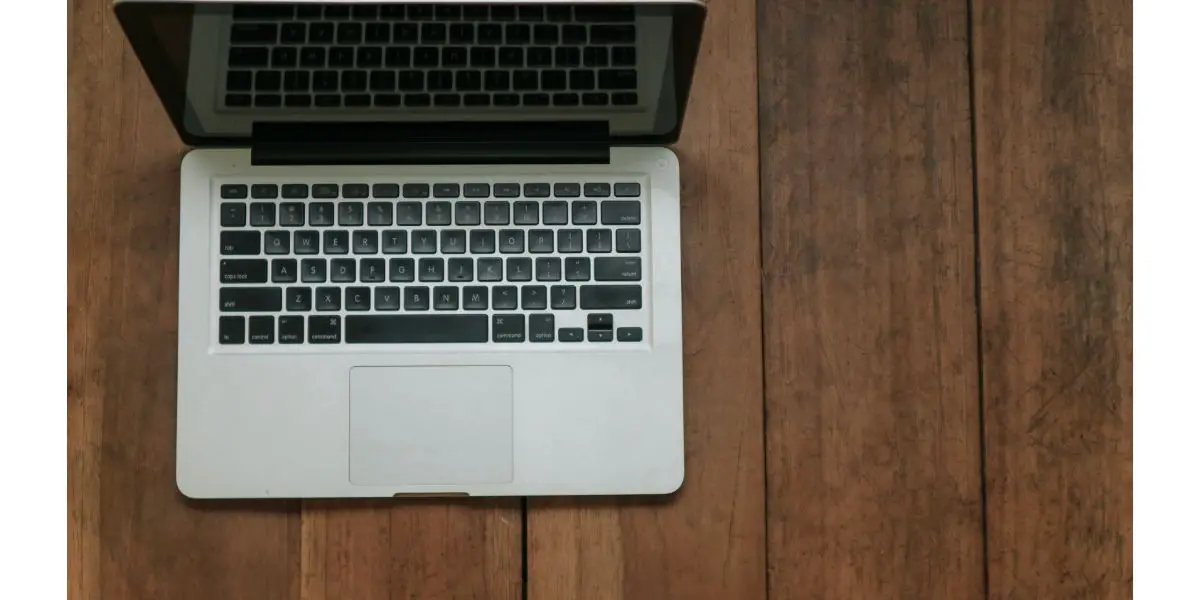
(132, 534)
(870, 338)
(1054, 102)
(707, 541)
(411, 549)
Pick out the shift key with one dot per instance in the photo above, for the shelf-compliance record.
(251, 299)
(615, 297)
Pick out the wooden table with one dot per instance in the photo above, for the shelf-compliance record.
(907, 284)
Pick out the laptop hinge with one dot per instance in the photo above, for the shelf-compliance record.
(430, 143)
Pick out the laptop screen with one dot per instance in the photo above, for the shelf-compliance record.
(220, 68)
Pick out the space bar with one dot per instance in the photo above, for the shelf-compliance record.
(416, 329)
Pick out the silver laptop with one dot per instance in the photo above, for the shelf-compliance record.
(426, 249)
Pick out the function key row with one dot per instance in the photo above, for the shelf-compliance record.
(435, 212)
(271, 191)
(554, 13)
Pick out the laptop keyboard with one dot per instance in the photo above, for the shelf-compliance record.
(427, 55)
(431, 262)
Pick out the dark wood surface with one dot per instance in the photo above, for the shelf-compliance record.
(868, 301)
(907, 277)
(1053, 104)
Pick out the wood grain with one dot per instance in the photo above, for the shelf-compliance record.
(132, 534)
(1054, 101)
(870, 345)
(706, 542)
(411, 550)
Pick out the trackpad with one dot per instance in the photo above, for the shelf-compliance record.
(431, 425)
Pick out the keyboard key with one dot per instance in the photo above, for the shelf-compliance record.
(525, 213)
(253, 33)
(533, 297)
(231, 330)
(506, 190)
(306, 242)
(350, 213)
(483, 241)
(312, 270)
(541, 328)
(495, 213)
(617, 79)
(618, 268)
(600, 335)
(366, 242)
(408, 213)
(416, 329)
(624, 56)
(621, 213)
(474, 298)
(618, 297)
(341, 56)
(320, 214)
(312, 57)
(325, 190)
(583, 212)
(508, 328)
(629, 334)
(466, 213)
(262, 214)
(387, 298)
(283, 270)
(372, 270)
(342, 270)
(512, 241)
(570, 334)
(562, 297)
(249, 299)
(548, 269)
(476, 190)
(262, 330)
(566, 57)
(379, 213)
(491, 269)
(291, 214)
(454, 241)
(438, 213)
(243, 271)
(566, 190)
(337, 242)
(401, 270)
(395, 241)
(241, 243)
(613, 34)
(599, 240)
(267, 191)
(445, 298)
(278, 242)
(358, 298)
(291, 330)
(597, 190)
(355, 190)
(578, 269)
(431, 269)
(627, 190)
(424, 241)
(324, 329)
(629, 240)
(574, 34)
(570, 241)
(248, 56)
(298, 298)
(582, 80)
(385, 190)
(519, 269)
(460, 270)
(329, 298)
(554, 213)
(504, 297)
(416, 298)
(233, 214)
(541, 241)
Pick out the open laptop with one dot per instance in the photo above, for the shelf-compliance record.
(426, 249)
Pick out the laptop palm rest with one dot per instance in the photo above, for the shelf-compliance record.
(431, 425)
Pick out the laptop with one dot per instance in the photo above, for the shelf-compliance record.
(426, 249)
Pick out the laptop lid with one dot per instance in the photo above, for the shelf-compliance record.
(233, 73)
